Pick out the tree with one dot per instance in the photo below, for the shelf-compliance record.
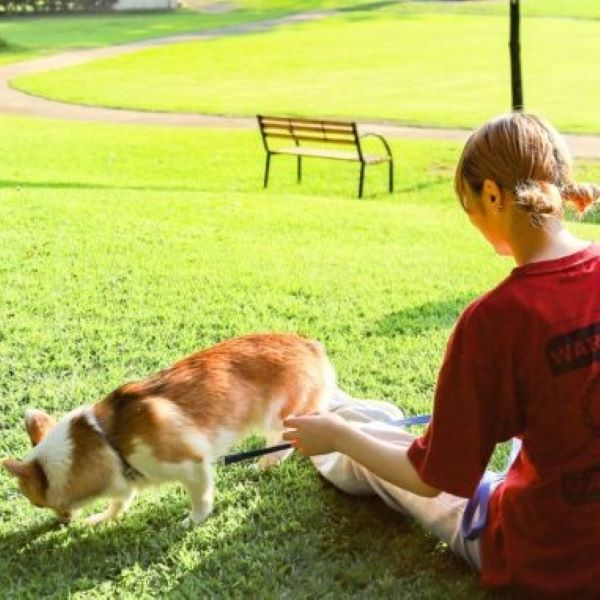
(515, 56)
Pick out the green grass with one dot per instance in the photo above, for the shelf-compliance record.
(125, 248)
(26, 37)
(368, 65)
(578, 9)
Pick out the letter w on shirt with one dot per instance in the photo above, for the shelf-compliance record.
(573, 350)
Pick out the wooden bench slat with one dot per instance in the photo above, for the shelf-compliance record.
(322, 140)
(265, 118)
(315, 125)
(312, 136)
(324, 153)
(267, 127)
(371, 159)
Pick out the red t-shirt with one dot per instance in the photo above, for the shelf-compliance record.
(524, 360)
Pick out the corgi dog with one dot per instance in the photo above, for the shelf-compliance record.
(173, 426)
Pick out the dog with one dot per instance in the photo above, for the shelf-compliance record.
(172, 426)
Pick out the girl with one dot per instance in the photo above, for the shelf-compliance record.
(523, 361)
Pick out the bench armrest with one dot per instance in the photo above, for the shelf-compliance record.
(383, 141)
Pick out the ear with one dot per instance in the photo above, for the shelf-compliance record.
(491, 196)
(38, 424)
(32, 479)
(17, 468)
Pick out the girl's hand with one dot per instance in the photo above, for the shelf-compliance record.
(315, 433)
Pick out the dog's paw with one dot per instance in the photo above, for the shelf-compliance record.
(188, 523)
(97, 519)
(192, 521)
(196, 517)
(268, 461)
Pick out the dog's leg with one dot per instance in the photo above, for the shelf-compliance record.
(315, 400)
(116, 507)
(273, 438)
(201, 490)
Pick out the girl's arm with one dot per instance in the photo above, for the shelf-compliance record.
(325, 433)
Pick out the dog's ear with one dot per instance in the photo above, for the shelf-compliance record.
(17, 468)
(38, 424)
(31, 477)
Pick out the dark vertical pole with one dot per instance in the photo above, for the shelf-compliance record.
(361, 181)
(515, 56)
(267, 167)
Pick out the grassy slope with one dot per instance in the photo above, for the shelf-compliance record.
(579, 9)
(26, 37)
(125, 248)
(29, 36)
(370, 65)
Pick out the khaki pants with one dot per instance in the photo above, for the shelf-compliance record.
(441, 515)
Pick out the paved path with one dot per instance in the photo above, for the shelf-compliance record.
(15, 102)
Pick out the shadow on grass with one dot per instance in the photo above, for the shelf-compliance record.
(242, 188)
(422, 318)
(295, 534)
(77, 557)
(331, 545)
(75, 185)
(422, 185)
(368, 6)
(11, 48)
(376, 191)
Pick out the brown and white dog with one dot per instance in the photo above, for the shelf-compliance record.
(173, 425)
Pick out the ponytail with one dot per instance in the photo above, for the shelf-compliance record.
(582, 195)
(524, 154)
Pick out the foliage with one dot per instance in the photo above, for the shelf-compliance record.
(30, 7)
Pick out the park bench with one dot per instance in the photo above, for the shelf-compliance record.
(317, 138)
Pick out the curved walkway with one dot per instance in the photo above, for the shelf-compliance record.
(16, 102)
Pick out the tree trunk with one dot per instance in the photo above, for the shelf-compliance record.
(515, 56)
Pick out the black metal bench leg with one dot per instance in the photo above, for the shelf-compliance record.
(391, 183)
(362, 180)
(267, 167)
(299, 169)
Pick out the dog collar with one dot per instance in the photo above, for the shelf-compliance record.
(128, 470)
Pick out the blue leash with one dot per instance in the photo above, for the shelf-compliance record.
(240, 456)
(476, 512)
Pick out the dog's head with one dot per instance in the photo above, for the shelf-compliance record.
(30, 474)
(68, 465)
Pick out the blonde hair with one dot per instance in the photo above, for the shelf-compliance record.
(524, 154)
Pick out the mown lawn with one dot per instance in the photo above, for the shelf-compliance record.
(577, 9)
(444, 69)
(26, 37)
(126, 248)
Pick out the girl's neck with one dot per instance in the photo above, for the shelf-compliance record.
(546, 244)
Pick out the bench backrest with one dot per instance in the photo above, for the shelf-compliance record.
(317, 131)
